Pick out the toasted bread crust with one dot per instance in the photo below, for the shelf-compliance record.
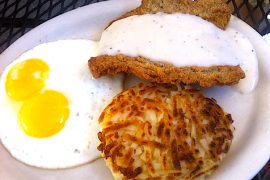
(214, 11)
(163, 72)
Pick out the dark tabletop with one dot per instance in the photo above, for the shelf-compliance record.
(17, 17)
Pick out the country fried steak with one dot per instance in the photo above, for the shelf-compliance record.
(163, 72)
(214, 11)
(164, 132)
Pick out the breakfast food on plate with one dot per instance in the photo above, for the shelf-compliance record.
(214, 11)
(159, 41)
(50, 105)
(163, 132)
(163, 72)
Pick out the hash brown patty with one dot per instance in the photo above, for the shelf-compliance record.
(160, 132)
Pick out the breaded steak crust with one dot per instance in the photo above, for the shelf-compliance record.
(160, 132)
(214, 11)
(163, 72)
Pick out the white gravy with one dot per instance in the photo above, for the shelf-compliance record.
(183, 40)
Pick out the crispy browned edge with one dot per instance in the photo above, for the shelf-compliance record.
(214, 11)
(165, 72)
(210, 110)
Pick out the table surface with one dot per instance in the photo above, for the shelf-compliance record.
(17, 17)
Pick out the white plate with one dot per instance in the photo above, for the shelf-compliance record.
(251, 144)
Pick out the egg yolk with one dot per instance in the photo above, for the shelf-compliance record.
(44, 114)
(26, 78)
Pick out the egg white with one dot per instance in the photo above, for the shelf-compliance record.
(69, 74)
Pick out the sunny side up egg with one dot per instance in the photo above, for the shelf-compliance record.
(50, 105)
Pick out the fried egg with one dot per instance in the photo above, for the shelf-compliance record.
(50, 105)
